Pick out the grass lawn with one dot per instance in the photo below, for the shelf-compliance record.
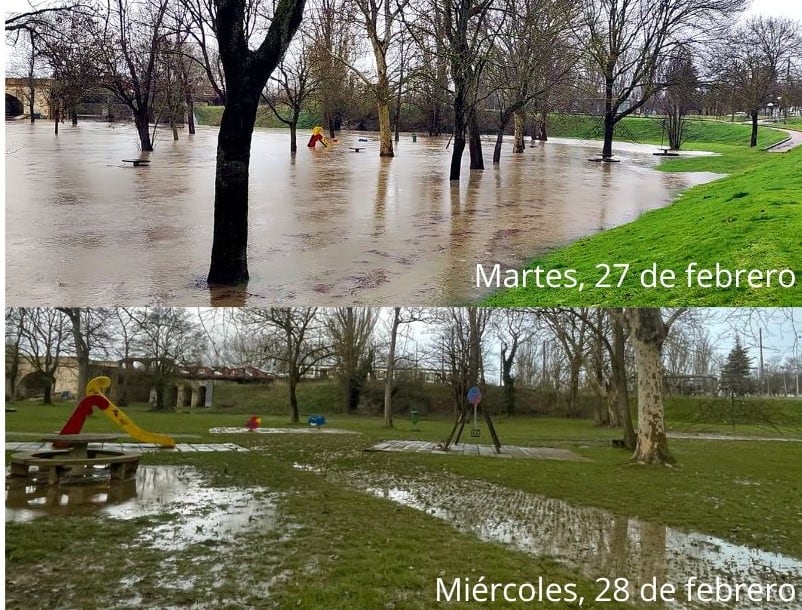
(333, 546)
(750, 220)
(699, 134)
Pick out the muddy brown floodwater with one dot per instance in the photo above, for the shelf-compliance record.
(328, 227)
(597, 543)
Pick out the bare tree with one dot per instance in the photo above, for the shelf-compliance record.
(400, 316)
(300, 346)
(293, 86)
(751, 62)
(572, 332)
(169, 337)
(680, 93)
(332, 42)
(131, 37)
(246, 74)
(459, 348)
(514, 327)
(15, 326)
(380, 19)
(524, 64)
(89, 333)
(44, 338)
(628, 39)
(350, 332)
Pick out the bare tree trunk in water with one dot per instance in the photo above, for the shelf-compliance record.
(543, 125)
(497, 147)
(385, 131)
(519, 119)
(474, 142)
(190, 115)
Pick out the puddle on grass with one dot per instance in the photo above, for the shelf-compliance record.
(203, 514)
(592, 541)
(204, 532)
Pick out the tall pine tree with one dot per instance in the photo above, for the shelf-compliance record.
(736, 375)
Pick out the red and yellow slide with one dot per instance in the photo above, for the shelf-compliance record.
(96, 398)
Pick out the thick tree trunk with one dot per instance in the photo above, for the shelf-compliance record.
(143, 130)
(459, 136)
(174, 127)
(294, 136)
(190, 115)
(48, 394)
(753, 137)
(474, 142)
(229, 264)
(609, 128)
(385, 130)
(74, 117)
(619, 382)
(543, 125)
(609, 114)
(648, 333)
(519, 119)
(56, 118)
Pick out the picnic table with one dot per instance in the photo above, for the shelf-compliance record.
(72, 455)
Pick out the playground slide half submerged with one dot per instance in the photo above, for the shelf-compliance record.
(96, 399)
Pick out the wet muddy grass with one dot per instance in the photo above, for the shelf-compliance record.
(324, 527)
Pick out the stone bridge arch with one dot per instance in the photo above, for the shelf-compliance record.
(18, 95)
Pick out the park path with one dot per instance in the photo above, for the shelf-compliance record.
(795, 139)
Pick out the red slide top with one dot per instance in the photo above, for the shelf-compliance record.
(82, 411)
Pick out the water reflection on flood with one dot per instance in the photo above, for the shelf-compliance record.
(203, 513)
(595, 542)
(329, 226)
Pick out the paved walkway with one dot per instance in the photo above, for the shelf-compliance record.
(309, 430)
(794, 141)
(507, 451)
(708, 436)
(142, 447)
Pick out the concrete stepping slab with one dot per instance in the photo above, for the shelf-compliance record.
(507, 451)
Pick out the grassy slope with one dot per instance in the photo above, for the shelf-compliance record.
(211, 115)
(698, 134)
(753, 219)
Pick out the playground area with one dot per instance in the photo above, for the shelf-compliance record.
(315, 519)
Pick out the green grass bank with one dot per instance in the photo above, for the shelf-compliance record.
(751, 220)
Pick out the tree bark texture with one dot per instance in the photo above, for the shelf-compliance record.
(246, 73)
(648, 333)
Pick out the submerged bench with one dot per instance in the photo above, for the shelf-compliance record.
(137, 162)
(667, 152)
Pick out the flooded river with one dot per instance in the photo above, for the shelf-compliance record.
(330, 226)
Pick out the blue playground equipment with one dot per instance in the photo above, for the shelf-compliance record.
(316, 420)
